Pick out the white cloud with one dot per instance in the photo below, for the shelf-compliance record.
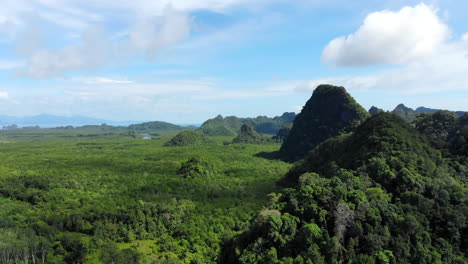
(134, 29)
(93, 50)
(150, 28)
(444, 71)
(219, 95)
(388, 37)
(9, 65)
(101, 80)
(4, 95)
(152, 35)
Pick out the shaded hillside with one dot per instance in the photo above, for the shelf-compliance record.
(329, 112)
(437, 126)
(445, 130)
(247, 135)
(230, 125)
(283, 133)
(188, 138)
(459, 138)
(405, 113)
(375, 110)
(379, 195)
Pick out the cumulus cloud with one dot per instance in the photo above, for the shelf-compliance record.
(444, 71)
(388, 37)
(96, 48)
(147, 29)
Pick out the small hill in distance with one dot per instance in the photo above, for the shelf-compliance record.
(248, 135)
(375, 110)
(188, 138)
(283, 133)
(157, 125)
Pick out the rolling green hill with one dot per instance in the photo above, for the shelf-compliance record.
(248, 135)
(188, 138)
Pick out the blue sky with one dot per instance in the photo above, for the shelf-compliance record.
(185, 61)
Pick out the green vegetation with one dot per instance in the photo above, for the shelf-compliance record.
(109, 198)
(329, 112)
(405, 113)
(131, 134)
(248, 135)
(283, 133)
(367, 189)
(188, 138)
(445, 130)
(196, 167)
(375, 110)
(437, 127)
(459, 137)
(379, 195)
(230, 125)
(156, 125)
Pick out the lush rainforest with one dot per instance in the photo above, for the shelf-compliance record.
(333, 184)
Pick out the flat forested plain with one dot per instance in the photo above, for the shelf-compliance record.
(94, 196)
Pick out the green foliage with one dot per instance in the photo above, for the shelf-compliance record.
(405, 113)
(156, 125)
(330, 111)
(458, 144)
(196, 167)
(111, 254)
(446, 131)
(131, 134)
(437, 126)
(377, 192)
(216, 130)
(230, 125)
(375, 110)
(247, 135)
(188, 138)
(283, 133)
(70, 197)
(383, 195)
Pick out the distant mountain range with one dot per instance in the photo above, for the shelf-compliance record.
(410, 114)
(230, 125)
(46, 120)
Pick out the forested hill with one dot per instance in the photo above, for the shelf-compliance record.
(230, 125)
(382, 194)
(446, 131)
(329, 112)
